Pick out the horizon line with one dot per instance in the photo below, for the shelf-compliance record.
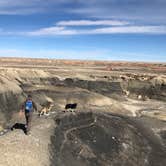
(91, 60)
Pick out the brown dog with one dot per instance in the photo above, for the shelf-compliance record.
(46, 109)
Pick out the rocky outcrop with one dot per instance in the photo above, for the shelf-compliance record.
(105, 88)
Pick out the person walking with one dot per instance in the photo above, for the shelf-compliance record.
(28, 107)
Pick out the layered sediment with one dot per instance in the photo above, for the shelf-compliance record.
(120, 116)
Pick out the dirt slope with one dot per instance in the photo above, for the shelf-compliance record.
(18, 149)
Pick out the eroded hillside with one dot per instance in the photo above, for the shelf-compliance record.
(127, 96)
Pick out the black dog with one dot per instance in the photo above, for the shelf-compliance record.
(71, 107)
(19, 126)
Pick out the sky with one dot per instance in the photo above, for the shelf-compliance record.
(127, 30)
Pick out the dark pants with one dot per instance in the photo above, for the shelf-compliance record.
(28, 117)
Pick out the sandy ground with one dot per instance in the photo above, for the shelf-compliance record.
(18, 149)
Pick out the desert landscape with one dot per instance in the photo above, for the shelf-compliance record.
(120, 119)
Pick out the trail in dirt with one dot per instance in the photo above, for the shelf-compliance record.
(18, 149)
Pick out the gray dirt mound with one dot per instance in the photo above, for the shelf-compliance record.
(88, 139)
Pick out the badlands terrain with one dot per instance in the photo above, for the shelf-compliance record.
(120, 119)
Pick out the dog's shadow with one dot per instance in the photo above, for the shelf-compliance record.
(19, 126)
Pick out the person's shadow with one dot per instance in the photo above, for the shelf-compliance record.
(19, 126)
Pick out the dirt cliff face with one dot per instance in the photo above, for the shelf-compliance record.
(118, 106)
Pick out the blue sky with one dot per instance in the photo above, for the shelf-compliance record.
(128, 30)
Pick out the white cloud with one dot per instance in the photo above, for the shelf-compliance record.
(86, 27)
(91, 23)
(107, 30)
(145, 11)
(131, 29)
(52, 31)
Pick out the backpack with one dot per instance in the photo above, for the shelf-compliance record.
(28, 106)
